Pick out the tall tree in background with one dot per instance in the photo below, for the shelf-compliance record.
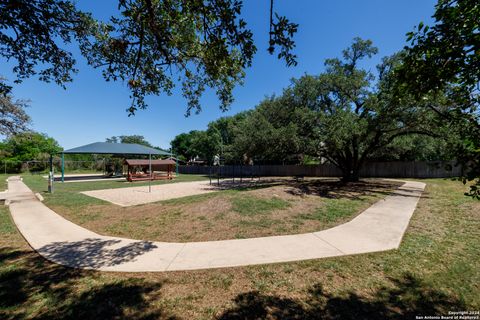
(182, 146)
(217, 139)
(346, 115)
(13, 118)
(445, 57)
(271, 133)
(138, 139)
(343, 114)
(150, 44)
(223, 132)
(28, 146)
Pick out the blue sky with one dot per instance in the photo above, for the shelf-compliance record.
(91, 109)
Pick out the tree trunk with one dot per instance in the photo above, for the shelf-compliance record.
(350, 176)
(351, 173)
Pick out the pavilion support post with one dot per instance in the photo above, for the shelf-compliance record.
(150, 170)
(176, 166)
(50, 175)
(63, 167)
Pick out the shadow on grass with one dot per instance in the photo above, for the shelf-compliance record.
(407, 298)
(336, 189)
(324, 187)
(247, 184)
(90, 178)
(95, 253)
(31, 287)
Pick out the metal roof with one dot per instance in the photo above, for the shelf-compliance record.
(116, 148)
(146, 162)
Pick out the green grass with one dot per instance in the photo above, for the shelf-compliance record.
(3, 181)
(39, 184)
(6, 225)
(250, 205)
(435, 270)
(333, 210)
(68, 194)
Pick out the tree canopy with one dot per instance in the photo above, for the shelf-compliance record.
(345, 115)
(138, 139)
(150, 44)
(13, 118)
(445, 57)
(28, 146)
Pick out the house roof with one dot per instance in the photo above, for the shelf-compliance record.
(116, 148)
(146, 162)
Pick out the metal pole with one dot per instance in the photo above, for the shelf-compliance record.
(241, 171)
(150, 168)
(176, 166)
(50, 176)
(63, 167)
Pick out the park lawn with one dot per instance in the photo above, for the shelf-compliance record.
(270, 207)
(435, 270)
(68, 193)
(3, 181)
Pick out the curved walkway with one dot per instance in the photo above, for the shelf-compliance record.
(380, 227)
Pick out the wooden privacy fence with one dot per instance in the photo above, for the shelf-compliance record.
(394, 169)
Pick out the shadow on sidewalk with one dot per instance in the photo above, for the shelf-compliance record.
(94, 253)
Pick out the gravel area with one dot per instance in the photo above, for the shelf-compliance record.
(139, 195)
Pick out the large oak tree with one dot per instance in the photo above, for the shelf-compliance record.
(151, 45)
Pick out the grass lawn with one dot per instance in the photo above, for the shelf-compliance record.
(436, 270)
(3, 181)
(272, 207)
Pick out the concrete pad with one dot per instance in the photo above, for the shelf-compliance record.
(380, 227)
(140, 195)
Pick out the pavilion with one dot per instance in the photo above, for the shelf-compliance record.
(140, 169)
(110, 148)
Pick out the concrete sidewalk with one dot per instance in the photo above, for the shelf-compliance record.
(380, 227)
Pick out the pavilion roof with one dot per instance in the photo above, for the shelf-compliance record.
(116, 148)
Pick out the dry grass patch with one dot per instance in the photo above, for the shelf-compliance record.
(272, 207)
